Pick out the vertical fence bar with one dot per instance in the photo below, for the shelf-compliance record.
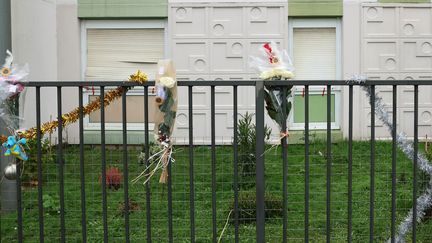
(18, 184)
(125, 166)
(60, 164)
(39, 164)
(329, 162)
(260, 171)
(191, 166)
(306, 216)
(394, 151)
(372, 167)
(213, 162)
(414, 225)
(147, 162)
(103, 161)
(82, 169)
(235, 179)
(170, 219)
(19, 201)
(350, 160)
(285, 170)
(414, 229)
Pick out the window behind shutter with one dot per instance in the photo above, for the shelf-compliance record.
(314, 56)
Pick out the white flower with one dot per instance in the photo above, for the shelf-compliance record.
(167, 82)
(287, 74)
(266, 74)
(276, 73)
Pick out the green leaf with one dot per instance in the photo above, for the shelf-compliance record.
(168, 102)
(169, 119)
(274, 97)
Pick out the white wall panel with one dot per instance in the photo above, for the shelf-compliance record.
(413, 22)
(213, 41)
(191, 57)
(397, 44)
(189, 22)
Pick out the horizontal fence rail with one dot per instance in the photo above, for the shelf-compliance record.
(200, 203)
(233, 83)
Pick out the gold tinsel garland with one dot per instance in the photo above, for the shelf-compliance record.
(73, 116)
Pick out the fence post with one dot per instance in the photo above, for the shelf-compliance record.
(8, 187)
(260, 183)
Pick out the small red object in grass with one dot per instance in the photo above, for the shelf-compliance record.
(323, 93)
(113, 178)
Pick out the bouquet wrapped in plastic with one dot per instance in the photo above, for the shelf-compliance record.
(164, 119)
(12, 79)
(274, 64)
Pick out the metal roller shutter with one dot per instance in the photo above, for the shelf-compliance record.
(315, 53)
(113, 54)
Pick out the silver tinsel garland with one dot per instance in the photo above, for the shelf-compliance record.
(424, 201)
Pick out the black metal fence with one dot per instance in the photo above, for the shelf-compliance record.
(191, 195)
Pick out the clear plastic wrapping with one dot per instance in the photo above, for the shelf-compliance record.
(12, 80)
(164, 120)
(274, 64)
(165, 102)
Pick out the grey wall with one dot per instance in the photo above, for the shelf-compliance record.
(46, 36)
(8, 188)
(5, 27)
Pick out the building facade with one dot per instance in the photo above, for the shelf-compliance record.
(212, 40)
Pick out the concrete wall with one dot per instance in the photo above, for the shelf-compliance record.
(5, 28)
(396, 44)
(351, 63)
(69, 57)
(388, 41)
(122, 9)
(45, 34)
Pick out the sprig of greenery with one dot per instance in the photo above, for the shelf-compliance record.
(274, 97)
(246, 146)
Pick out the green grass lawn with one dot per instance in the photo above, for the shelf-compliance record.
(225, 195)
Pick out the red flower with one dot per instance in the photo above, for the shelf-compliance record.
(267, 47)
(269, 50)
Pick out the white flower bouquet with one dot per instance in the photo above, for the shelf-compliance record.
(164, 119)
(273, 64)
(12, 81)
